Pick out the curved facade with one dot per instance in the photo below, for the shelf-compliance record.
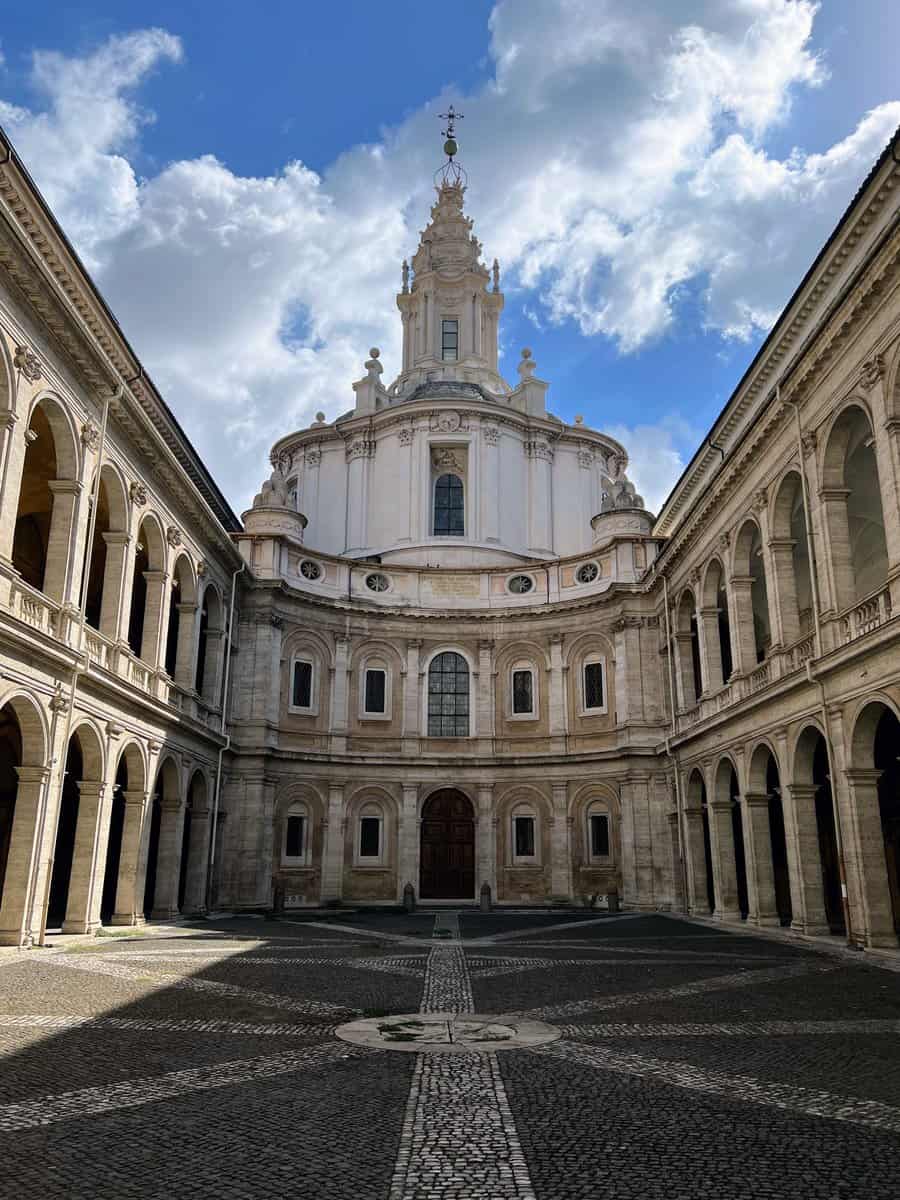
(447, 649)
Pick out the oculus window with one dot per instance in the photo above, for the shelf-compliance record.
(375, 690)
(449, 506)
(522, 693)
(448, 696)
(450, 340)
(594, 697)
(301, 684)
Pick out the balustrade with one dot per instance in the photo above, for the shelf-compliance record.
(34, 609)
(869, 614)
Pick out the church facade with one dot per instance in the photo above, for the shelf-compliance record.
(448, 653)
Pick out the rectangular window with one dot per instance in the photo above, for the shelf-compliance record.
(593, 685)
(523, 695)
(293, 842)
(369, 837)
(449, 340)
(375, 691)
(301, 690)
(523, 833)
(599, 836)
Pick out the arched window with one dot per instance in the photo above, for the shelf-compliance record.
(375, 690)
(598, 834)
(524, 839)
(369, 841)
(449, 506)
(303, 685)
(593, 685)
(851, 497)
(295, 838)
(448, 696)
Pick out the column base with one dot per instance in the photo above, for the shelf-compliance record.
(730, 916)
(811, 928)
(882, 941)
(164, 914)
(16, 937)
(699, 910)
(765, 921)
(127, 919)
(85, 927)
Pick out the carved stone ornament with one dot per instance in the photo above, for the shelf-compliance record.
(872, 371)
(90, 435)
(442, 457)
(202, 568)
(28, 363)
(808, 443)
(282, 461)
(113, 730)
(406, 435)
(724, 542)
(138, 494)
(173, 535)
(360, 448)
(312, 457)
(446, 422)
(759, 500)
(59, 703)
(491, 435)
(586, 459)
(276, 621)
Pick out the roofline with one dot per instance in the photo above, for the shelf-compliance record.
(774, 333)
(231, 522)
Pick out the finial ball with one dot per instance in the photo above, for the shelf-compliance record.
(320, 417)
(374, 352)
(450, 147)
(526, 353)
(579, 420)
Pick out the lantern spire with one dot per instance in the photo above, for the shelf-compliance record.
(450, 173)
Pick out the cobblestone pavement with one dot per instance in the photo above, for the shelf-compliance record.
(202, 1061)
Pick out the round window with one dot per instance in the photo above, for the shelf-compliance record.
(376, 582)
(310, 569)
(519, 584)
(587, 573)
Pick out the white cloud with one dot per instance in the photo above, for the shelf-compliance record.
(617, 158)
(657, 454)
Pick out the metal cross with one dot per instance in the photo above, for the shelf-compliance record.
(450, 116)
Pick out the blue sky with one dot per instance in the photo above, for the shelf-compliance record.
(655, 178)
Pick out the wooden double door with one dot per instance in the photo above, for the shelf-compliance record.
(447, 852)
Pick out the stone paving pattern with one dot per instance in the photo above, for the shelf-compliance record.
(202, 1060)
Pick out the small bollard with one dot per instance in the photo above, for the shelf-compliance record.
(485, 900)
(612, 900)
(409, 898)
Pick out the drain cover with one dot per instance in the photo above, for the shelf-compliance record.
(442, 1032)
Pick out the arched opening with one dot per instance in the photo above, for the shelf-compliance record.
(816, 829)
(71, 881)
(851, 496)
(165, 846)
(95, 560)
(699, 846)
(114, 844)
(724, 628)
(447, 870)
(202, 643)
(146, 591)
(448, 695)
(752, 596)
(737, 832)
(66, 827)
(716, 627)
(778, 842)
(106, 559)
(184, 858)
(152, 854)
(688, 649)
(10, 761)
(179, 656)
(886, 755)
(449, 506)
(44, 515)
(790, 554)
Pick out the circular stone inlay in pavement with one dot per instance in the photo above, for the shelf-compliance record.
(440, 1032)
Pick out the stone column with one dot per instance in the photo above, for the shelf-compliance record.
(359, 453)
(864, 857)
(168, 860)
(804, 858)
(490, 481)
(838, 557)
(156, 613)
(112, 605)
(185, 656)
(679, 903)
(721, 839)
(710, 649)
(88, 832)
(742, 635)
(213, 667)
(409, 838)
(411, 699)
(695, 862)
(540, 495)
(340, 695)
(60, 582)
(629, 674)
(16, 921)
(686, 693)
(487, 840)
(560, 847)
(784, 591)
(485, 698)
(130, 886)
(558, 713)
(198, 857)
(12, 459)
(333, 867)
(760, 872)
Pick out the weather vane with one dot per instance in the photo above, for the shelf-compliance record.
(450, 174)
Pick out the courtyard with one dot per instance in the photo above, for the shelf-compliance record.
(532, 1054)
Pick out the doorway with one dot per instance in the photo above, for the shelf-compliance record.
(448, 847)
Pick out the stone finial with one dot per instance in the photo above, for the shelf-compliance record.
(28, 363)
(373, 366)
(527, 366)
(495, 272)
(579, 419)
(405, 274)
